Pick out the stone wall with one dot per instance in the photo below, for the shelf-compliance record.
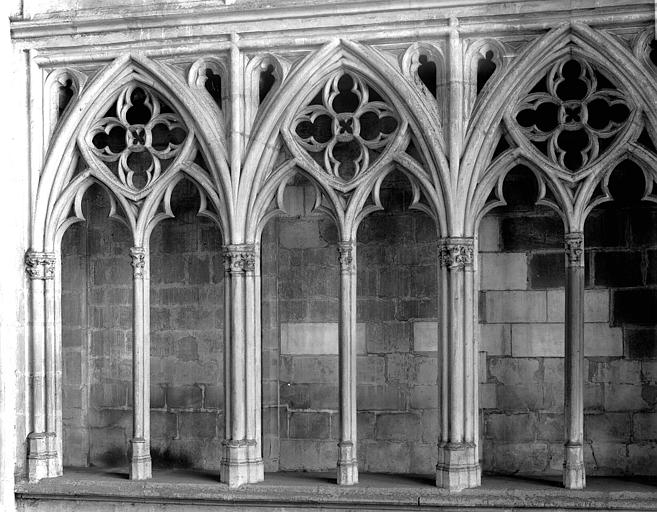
(522, 339)
(186, 338)
(396, 340)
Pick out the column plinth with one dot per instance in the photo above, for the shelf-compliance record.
(235, 469)
(458, 466)
(347, 464)
(39, 455)
(140, 459)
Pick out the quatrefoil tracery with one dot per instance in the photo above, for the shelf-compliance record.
(345, 126)
(576, 115)
(139, 135)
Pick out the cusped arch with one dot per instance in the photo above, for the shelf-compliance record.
(586, 202)
(93, 102)
(577, 40)
(561, 201)
(302, 84)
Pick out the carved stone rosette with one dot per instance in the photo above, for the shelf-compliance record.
(239, 258)
(345, 250)
(457, 253)
(40, 265)
(574, 246)
(138, 255)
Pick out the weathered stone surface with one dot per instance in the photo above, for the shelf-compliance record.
(387, 337)
(489, 234)
(529, 233)
(537, 340)
(398, 427)
(515, 306)
(640, 342)
(184, 397)
(607, 427)
(309, 425)
(503, 271)
(596, 305)
(547, 270)
(507, 428)
(495, 339)
(635, 306)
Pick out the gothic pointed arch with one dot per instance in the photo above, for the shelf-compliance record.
(306, 98)
(532, 81)
(114, 119)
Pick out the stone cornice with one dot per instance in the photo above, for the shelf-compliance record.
(318, 23)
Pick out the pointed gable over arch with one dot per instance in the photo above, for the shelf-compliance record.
(120, 107)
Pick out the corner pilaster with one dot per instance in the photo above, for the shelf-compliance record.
(42, 458)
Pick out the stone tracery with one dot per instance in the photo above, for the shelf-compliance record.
(345, 126)
(139, 136)
(576, 115)
(345, 129)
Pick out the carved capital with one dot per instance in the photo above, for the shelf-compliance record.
(345, 251)
(574, 246)
(239, 258)
(40, 265)
(457, 253)
(138, 255)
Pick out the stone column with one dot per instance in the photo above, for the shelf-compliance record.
(42, 456)
(347, 457)
(242, 460)
(140, 455)
(252, 368)
(458, 464)
(573, 469)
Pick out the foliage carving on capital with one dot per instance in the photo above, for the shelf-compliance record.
(574, 246)
(137, 138)
(138, 255)
(345, 255)
(345, 127)
(457, 253)
(573, 114)
(239, 258)
(40, 265)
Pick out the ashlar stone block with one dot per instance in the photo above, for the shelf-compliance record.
(537, 340)
(495, 339)
(316, 338)
(503, 271)
(425, 336)
(515, 306)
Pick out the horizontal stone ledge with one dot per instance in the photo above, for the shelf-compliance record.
(82, 490)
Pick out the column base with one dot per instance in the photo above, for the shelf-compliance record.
(54, 461)
(237, 468)
(140, 460)
(256, 464)
(574, 474)
(458, 467)
(347, 464)
(41, 458)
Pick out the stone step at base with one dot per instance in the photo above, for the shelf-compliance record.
(181, 491)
